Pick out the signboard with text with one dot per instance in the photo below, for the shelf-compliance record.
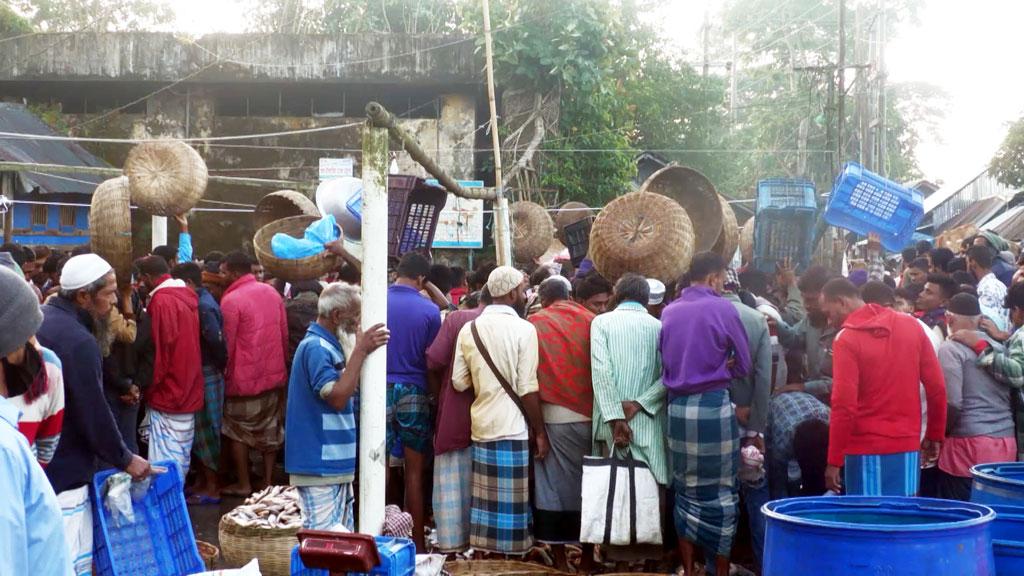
(462, 221)
(335, 168)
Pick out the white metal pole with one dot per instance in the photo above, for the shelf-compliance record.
(372, 384)
(159, 231)
(502, 229)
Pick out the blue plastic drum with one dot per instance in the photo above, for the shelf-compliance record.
(1000, 483)
(877, 536)
(1008, 540)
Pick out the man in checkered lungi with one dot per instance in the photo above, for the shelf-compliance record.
(500, 518)
(704, 347)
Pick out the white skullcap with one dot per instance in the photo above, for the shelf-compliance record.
(503, 280)
(657, 295)
(81, 271)
(561, 279)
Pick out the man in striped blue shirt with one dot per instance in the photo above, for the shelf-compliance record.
(320, 439)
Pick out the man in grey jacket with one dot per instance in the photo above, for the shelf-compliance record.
(979, 426)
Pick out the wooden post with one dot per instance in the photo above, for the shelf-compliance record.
(159, 227)
(373, 457)
(502, 228)
(7, 190)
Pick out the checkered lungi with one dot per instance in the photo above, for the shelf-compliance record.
(704, 446)
(76, 510)
(453, 497)
(410, 421)
(883, 475)
(206, 446)
(500, 518)
(170, 438)
(324, 507)
(255, 420)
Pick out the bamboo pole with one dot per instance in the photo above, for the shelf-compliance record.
(502, 227)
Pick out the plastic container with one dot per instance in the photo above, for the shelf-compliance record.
(1008, 540)
(783, 233)
(1000, 483)
(159, 543)
(397, 558)
(577, 239)
(858, 535)
(864, 202)
(414, 208)
(776, 193)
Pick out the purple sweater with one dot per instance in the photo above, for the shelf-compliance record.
(700, 332)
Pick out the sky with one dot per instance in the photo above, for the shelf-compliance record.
(963, 47)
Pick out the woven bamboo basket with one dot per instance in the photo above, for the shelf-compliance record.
(310, 268)
(497, 567)
(697, 195)
(209, 553)
(272, 546)
(747, 241)
(167, 177)
(952, 238)
(110, 226)
(645, 233)
(569, 213)
(282, 204)
(532, 231)
(729, 239)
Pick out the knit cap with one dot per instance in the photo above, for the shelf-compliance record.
(20, 315)
(503, 280)
(964, 305)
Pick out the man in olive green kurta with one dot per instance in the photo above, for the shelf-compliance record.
(626, 370)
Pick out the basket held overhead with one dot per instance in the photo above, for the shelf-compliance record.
(110, 226)
(694, 192)
(310, 268)
(729, 238)
(282, 204)
(532, 231)
(167, 177)
(747, 241)
(645, 233)
(570, 213)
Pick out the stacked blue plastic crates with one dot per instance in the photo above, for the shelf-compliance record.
(864, 202)
(784, 225)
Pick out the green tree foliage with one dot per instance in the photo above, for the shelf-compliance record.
(98, 15)
(12, 23)
(355, 16)
(1008, 163)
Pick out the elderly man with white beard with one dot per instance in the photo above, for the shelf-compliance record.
(320, 434)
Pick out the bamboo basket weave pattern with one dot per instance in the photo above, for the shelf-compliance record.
(649, 234)
(496, 567)
(747, 241)
(272, 546)
(282, 204)
(694, 192)
(569, 213)
(729, 238)
(310, 268)
(167, 177)
(110, 226)
(532, 231)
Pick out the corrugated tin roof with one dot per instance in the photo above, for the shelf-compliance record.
(1009, 225)
(16, 118)
(977, 214)
(949, 190)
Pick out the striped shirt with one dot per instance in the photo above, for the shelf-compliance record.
(42, 418)
(626, 365)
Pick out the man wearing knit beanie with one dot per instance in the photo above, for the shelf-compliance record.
(38, 547)
(88, 291)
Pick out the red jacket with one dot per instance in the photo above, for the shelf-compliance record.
(880, 359)
(256, 331)
(177, 385)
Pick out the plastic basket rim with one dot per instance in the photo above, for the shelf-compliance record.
(776, 511)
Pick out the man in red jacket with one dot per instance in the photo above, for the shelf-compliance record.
(176, 392)
(879, 358)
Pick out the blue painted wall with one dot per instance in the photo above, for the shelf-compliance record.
(52, 233)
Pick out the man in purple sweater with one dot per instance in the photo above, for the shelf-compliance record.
(703, 347)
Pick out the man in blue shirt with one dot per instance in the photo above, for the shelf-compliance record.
(414, 322)
(320, 435)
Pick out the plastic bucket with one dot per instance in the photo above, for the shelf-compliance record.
(1008, 540)
(1000, 483)
(877, 535)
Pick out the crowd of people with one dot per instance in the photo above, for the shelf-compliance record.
(731, 387)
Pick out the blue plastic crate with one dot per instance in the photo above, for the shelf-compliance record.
(783, 233)
(397, 558)
(775, 193)
(864, 202)
(159, 543)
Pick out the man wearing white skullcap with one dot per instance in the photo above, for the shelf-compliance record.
(88, 292)
(656, 301)
(496, 355)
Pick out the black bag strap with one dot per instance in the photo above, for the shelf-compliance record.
(497, 374)
(630, 464)
(610, 504)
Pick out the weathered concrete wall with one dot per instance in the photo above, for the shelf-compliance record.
(162, 57)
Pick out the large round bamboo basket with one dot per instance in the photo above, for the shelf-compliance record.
(166, 177)
(282, 204)
(110, 226)
(310, 268)
(272, 546)
(649, 234)
(498, 567)
(747, 241)
(697, 195)
(952, 238)
(729, 238)
(532, 231)
(569, 213)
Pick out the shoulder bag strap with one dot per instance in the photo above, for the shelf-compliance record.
(497, 374)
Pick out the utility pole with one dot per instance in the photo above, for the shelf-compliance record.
(502, 226)
(882, 73)
(733, 64)
(840, 88)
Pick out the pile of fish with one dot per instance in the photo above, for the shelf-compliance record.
(274, 507)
